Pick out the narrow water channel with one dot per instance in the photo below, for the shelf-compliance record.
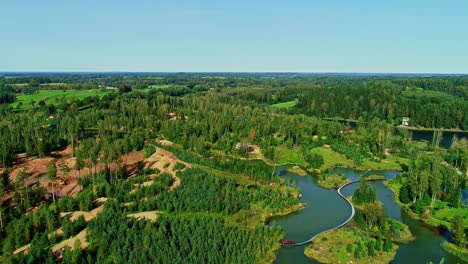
(326, 209)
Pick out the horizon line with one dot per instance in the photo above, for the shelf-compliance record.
(299, 72)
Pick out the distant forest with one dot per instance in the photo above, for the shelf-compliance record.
(213, 122)
(435, 102)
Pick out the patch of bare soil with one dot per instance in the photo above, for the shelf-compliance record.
(165, 162)
(35, 167)
(165, 142)
(24, 249)
(67, 151)
(88, 216)
(65, 183)
(149, 215)
(256, 152)
(71, 242)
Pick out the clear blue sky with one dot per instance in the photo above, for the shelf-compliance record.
(417, 36)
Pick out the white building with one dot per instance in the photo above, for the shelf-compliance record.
(405, 121)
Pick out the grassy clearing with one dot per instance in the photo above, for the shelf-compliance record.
(152, 216)
(441, 212)
(289, 156)
(331, 180)
(240, 179)
(297, 170)
(390, 163)
(53, 84)
(331, 247)
(285, 105)
(455, 250)
(259, 215)
(440, 215)
(154, 78)
(418, 144)
(405, 236)
(54, 96)
(160, 86)
(333, 159)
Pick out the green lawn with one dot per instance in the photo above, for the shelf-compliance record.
(284, 155)
(154, 78)
(443, 212)
(160, 86)
(390, 163)
(54, 96)
(333, 159)
(331, 247)
(285, 105)
(331, 180)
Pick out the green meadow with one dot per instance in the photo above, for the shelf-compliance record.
(55, 96)
(285, 105)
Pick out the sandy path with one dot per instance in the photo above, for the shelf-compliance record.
(165, 162)
(149, 215)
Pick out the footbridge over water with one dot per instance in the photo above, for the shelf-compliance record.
(353, 212)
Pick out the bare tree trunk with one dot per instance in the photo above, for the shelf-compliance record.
(53, 191)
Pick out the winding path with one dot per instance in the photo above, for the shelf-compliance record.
(353, 212)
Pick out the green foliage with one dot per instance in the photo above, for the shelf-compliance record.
(71, 228)
(405, 194)
(371, 248)
(148, 150)
(257, 170)
(179, 166)
(54, 97)
(459, 234)
(389, 100)
(214, 194)
(353, 153)
(365, 193)
(285, 105)
(420, 206)
(213, 114)
(314, 158)
(176, 239)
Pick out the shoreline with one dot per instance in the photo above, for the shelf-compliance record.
(456, 130)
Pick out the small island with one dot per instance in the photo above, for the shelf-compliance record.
(371, 236)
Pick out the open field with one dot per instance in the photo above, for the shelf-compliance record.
(333, 159)
(54, 96)
(442, 214)
(333, 249)
(390, 163)
(285, 105)
(160, 86)
(289, 156)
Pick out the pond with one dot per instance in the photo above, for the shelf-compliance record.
(426, 135)
(326, 209)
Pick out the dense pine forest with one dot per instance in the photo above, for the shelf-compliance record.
(181, 167)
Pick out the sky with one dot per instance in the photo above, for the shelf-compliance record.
(375, 36)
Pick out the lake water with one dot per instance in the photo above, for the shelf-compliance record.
(426, 135)
(326, 209)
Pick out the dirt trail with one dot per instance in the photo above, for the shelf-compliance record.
(81, 237)
(257, 152)
(88, 216)
(149, 215)
(165, 162)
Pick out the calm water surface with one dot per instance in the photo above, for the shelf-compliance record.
(326, 209)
